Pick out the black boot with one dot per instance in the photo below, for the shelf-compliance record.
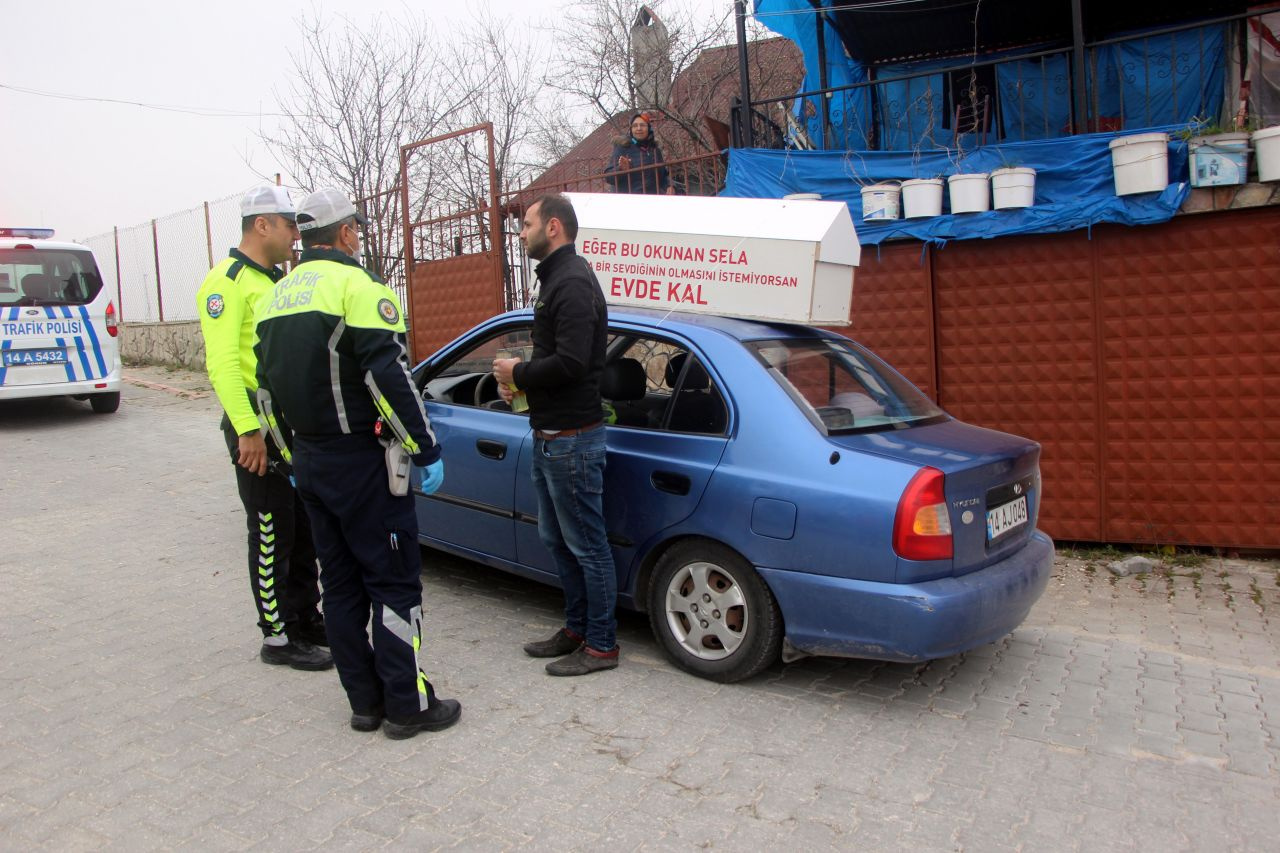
(367, 721)
(309, 630)
(297, 654)
(439, 714)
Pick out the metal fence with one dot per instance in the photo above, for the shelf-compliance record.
(155, 268)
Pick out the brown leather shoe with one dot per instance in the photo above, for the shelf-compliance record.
(560, 643)
(583, 662)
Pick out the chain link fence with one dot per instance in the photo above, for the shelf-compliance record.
(156, 268)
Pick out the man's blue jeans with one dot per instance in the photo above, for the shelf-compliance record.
(568, 475)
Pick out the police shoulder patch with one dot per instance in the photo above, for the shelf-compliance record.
(387, 310)
(214, 305)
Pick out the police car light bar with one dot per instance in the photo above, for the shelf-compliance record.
(29, 233)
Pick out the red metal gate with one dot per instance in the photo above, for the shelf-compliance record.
(452, 235)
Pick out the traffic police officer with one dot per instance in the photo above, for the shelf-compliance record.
(334, 373)
(282, 558)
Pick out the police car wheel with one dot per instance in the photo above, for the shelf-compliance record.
(105, 404)
(712, 614)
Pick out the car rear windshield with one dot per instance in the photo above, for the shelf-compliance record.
(842, 387)
(47, 277)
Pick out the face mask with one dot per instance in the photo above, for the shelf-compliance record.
(357, 254)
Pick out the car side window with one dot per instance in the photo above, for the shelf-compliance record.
(468, 380)
(654, 384)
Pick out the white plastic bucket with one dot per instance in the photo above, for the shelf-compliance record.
(1014, 186)
(1267, 144)
(921, 197)
(880, 201)
(1219, 160)
(1140, 163)
(802, 197)
(969, 193)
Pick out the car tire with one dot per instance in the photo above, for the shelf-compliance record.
(742, 630)
(105, 404)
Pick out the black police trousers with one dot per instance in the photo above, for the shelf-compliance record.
(282, 558)
(367, 540)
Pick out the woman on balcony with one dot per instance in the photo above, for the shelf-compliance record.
(641, 153)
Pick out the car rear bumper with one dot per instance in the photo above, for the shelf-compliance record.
(62, 389)
(839, 617)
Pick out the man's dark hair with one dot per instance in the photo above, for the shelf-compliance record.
(246, 222)
(326, 236)
(556, 206)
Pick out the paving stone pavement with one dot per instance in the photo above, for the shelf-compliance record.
(1126, 714)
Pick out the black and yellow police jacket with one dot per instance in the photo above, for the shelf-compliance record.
(332, 358)
(225, 303)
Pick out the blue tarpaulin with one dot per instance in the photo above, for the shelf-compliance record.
(1074, 185)
(1170, 79)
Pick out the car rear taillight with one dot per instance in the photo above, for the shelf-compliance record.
(922, 527)
(112, 328)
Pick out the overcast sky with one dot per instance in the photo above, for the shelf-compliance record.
(83, 166)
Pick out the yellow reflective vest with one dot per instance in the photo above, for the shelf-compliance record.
(225, 304)
(332, 357)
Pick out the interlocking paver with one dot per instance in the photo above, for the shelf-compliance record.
(138, 717)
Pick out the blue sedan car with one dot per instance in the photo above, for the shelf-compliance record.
(771, 490)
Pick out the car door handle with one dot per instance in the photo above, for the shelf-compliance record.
(492, 449)
(671, 483)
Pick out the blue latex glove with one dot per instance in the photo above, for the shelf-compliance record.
(432, 477)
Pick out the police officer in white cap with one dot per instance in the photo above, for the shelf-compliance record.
(333, 371)
(282, 558)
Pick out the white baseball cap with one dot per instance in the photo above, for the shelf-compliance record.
(325, 207)
(267, 199)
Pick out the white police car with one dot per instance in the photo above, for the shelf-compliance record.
(58, 325)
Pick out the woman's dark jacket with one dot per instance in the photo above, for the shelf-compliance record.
(653, 181)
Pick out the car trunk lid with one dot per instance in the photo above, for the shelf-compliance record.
(992, 484)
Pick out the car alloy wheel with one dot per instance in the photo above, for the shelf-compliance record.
(706, 610)
(712, 613)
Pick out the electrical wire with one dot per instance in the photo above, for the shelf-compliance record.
(209, 112)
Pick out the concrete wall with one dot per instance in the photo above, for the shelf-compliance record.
(172, 344)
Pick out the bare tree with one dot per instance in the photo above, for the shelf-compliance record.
(361, 91)
(603, 63)
(597, 57)
(364, 90)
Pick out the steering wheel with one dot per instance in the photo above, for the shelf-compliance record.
(486, 390)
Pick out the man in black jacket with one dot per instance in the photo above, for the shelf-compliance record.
(562, 382)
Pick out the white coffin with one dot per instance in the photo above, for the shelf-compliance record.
(779, 260)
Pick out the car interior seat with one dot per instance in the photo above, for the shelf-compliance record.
(622, 383)
(73, 289)
(697, 406)
(38, 285)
